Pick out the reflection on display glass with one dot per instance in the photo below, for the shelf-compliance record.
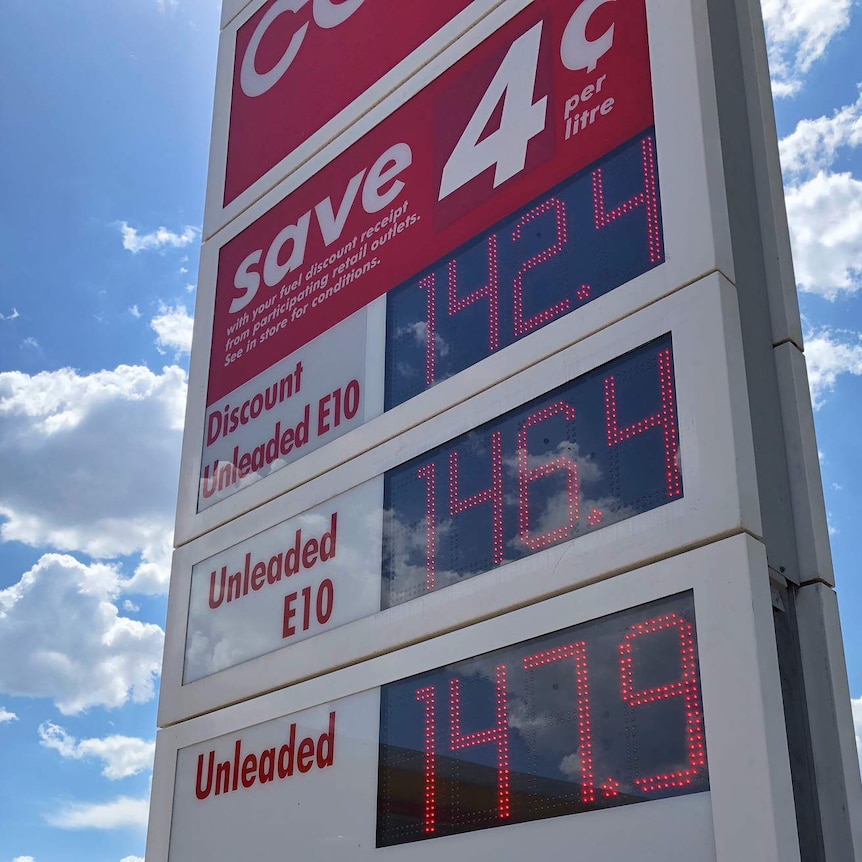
(597, 450)
(602, 714)
(594, 232)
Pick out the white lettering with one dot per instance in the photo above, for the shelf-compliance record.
(246, 280)
(397, 158)
(576, 51)
(273, 271)
(331, 225)
(254, 83)
(328, 14)
(375, 196)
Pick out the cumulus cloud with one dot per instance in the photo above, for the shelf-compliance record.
(90, 463)
(132, 859)
(11, 316)
(825, 217)
(121, 756)
(829, 354)
(159, 239)
(70, 641)
(856, 706)
(814, 144)
(31, 859)
(173, 327)
(798, 32)
(120, 813)
(5, 715)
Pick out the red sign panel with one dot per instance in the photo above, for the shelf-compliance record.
(298, 63)
(556, 88)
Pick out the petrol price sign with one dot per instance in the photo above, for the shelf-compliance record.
(499, 520)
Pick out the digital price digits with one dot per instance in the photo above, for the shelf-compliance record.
(602, 714)
(594, 232)
(597, 450)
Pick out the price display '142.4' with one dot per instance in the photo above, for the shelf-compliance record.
(594, 232)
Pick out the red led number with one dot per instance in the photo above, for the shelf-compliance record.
(457, 303)
(685, 688)
(528, 474)
(664, 418)
(522, 324)
(492, 495)
(648, 199)
(426, 696)
(497, 735)
(578, 652)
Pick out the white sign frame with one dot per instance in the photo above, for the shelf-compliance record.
(720, 498)
(750, 795)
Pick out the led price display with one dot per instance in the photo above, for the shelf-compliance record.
(597, 450)
(598, 715)
(590, 234)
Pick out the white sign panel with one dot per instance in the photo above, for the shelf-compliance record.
(308, 574)
(292, 408)
(597, 719)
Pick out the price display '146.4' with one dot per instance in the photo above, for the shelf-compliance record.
(592, 452)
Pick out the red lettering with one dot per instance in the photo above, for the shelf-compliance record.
(288, 629)
(305, 755)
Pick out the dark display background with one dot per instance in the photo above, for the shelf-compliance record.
(595, 451)
(594, 232)
(598, 715)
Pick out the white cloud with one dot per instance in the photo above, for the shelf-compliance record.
(798, 33)
(31, 859)
(173, 327)
(5, 716)
(159, 239)
(135, 311)
(90, 463)
(11, 316)
(122, 756)
(825, 217)
(132, 859)
(813, 145)
(30, 342)
(120, 813)
(856, 706)
(71, 644)
(828, 355)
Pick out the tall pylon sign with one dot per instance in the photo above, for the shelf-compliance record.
(500, 521)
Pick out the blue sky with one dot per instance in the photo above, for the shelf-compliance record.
(104, 127)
